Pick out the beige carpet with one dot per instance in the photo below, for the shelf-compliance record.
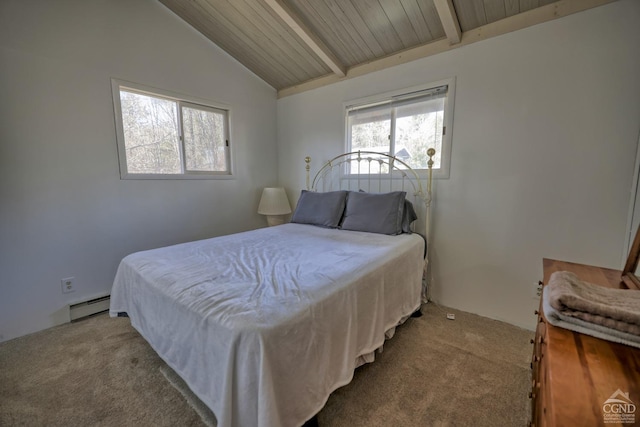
(471, 371)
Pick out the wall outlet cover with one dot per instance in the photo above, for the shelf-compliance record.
(451, 316)
(68, 285)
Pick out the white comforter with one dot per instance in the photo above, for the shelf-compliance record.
(264, 325)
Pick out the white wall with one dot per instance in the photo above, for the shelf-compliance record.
(63, 209)
(544, 140)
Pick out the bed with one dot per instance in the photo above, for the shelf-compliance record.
(264, 325)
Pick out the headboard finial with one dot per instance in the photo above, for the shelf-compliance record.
(430, 152)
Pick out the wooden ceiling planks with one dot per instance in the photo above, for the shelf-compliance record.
(319, 42)
(334, 32)
(378, 24)
(357, 28)
(417, 20)
(495, 10)
(362, 30)
(309, 37)
(470, 14)
(250, 33)
(269, 23)
(402, 25)
(430, 15)
(276, 46)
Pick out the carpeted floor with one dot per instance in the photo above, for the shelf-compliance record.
(471, 371)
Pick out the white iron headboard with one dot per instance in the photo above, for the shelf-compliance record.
(376, 173)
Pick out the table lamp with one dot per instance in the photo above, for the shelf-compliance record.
(274, 204)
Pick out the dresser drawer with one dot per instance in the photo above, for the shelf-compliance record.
(538, 373)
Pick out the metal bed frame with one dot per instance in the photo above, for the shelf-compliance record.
(381, 173)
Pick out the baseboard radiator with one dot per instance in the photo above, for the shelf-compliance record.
(85, 309)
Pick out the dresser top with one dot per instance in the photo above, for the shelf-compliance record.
(583, 371)
(598, 275)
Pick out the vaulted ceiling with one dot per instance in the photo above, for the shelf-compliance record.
(297, 45)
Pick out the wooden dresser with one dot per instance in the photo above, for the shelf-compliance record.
(574, 374)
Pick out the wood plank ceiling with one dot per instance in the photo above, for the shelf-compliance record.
(296, 45)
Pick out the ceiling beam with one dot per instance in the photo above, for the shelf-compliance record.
(449, 19)
(307, 36)
(516, 22)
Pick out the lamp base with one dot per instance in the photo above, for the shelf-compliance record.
(275, 220)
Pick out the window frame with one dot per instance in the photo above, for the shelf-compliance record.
(445, 156)
(182, 101)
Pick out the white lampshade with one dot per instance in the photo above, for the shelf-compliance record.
(274, 202)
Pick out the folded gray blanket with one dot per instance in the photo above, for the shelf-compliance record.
(555, 318)
(617, 309)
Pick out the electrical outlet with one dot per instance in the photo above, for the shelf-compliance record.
(68, 285)
(536, 290)
(451, 316)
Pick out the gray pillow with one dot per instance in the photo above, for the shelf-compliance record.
(374, 212)
(408, 217)
(323, 209)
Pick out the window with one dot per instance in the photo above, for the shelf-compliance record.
(405, 124)
(163, 135)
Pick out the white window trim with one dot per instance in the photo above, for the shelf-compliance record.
(117, 84)
(445, 159)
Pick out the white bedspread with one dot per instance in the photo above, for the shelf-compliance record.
(264, 325)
